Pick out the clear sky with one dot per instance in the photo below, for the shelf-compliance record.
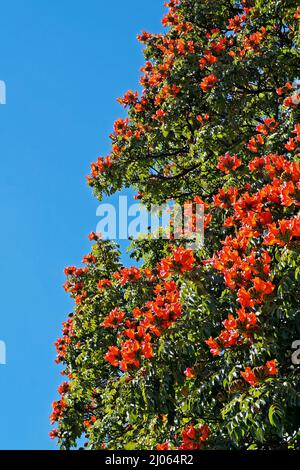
(64, 63)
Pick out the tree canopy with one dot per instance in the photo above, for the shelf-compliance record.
(192, 350)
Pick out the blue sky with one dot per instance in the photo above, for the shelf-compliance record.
(64, 63)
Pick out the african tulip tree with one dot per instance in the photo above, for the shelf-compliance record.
(193, 349)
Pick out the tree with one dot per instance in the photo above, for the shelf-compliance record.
(193, 349)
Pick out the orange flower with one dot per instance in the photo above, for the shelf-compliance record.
(94, 236)
(225, 198)
(214, 346)
(120, 126)
(146, 349)
(193, 438)
(129, 352)
(291, 145)
(129, 98)
(229, 338)
(126, 275)
(113, 356)
(189, 373)
(263, 286)
(208, 59)
(159, 115)
(250, 377)
(230, 323)
(254, 141)
(104, 283)
(144, 37)
(205, 432)
(208, 82)
(286, 88)
(114, 319)
(228, 163)
(53, 434)
(290, 194)
(282, 233)
(148, 273)
(235, 23)
(252, 145)
(90, 258)
(297, 14)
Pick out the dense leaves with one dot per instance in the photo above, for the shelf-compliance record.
(193, 349)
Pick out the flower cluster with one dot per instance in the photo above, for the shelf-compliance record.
(192, 437)
(61, 344)
(126, 275)
(228, 163)
(209, 127)
(208, 82)
(58, 410)
(243, 260)
(136, 335)
(158, 91)
(254, 377)
(179, 262)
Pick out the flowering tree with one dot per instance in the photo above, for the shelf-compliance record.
(193, 349)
